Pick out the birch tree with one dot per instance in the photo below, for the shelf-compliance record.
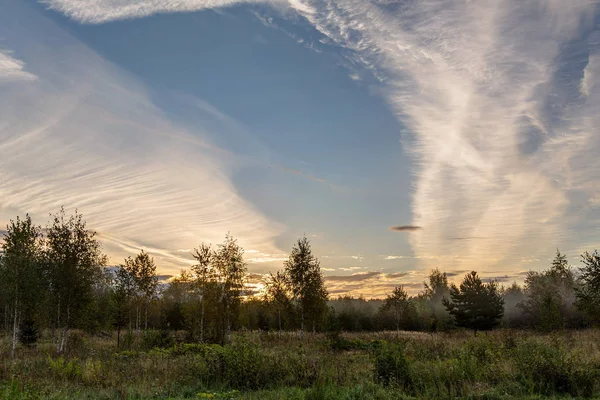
(73, 261)
(20, 273)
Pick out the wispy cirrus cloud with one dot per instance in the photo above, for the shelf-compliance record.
(499, 99)
(496, 97)
(100, 11)
(86, 135)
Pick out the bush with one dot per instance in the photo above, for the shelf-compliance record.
(157, 339)
(549, 370)
(28, 333)
(392, 367)
(65, 369)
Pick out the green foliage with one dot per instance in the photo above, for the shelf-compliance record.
(157, 339)
(392, 367)
(588, 294)
(65, 369)
(374, 366)
(549, 296)
(303, 272)
(475, 305)
(550, 369)
(398, 304)
(28, 333)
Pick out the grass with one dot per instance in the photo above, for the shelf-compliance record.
(386, 365)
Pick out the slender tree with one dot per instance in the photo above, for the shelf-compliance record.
(232, 270)
(73, 260)
(435, 292)
(123, 293)
(20, 273)
(205, 278)
(306, 280)
(475, 305)
(398, 304)
(142, 272)
(278, 294)
(588, 292)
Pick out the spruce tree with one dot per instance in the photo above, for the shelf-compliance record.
(475, 305)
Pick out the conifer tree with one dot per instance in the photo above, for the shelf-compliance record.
(475, 305)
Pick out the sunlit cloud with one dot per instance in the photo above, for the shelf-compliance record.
(498, 136)
(499, 100)
(100, 11)
(86, 135)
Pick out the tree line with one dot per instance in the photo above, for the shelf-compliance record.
(57, 279)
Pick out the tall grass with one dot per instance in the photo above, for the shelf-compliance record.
(386, 365)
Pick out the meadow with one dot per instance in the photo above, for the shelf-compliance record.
(501, 364)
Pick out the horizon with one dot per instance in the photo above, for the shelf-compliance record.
(381, 130)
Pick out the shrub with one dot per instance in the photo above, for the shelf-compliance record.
(549, 370)
(28, 333)
(157, 339)
(392, 367)
(65, 369)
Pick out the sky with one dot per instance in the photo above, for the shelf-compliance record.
(397, 135)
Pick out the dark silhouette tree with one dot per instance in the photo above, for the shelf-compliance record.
(124, 290)
(142, 272)
(205, 280)
(588, 292)
(278, 295)
(306, 280)
(229, 263)
(435, 292)
(398, 304)
(475, 305)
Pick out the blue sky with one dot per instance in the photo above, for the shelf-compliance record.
(171, 123)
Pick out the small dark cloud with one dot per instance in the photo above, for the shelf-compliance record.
(353, 278)
(397, 275)
(499, 279)
(458, 272)
(405, 228)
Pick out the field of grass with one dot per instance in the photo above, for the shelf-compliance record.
(498, 365)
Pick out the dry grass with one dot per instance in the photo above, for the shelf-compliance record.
(384, 365)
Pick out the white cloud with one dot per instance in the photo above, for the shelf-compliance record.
(100, 11)
(87, 136)
(500, 103)
(495, 129)
(12, 69)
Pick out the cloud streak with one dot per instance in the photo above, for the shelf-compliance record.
(85, 135)
(499, 99)
(499, 138)
(100, 11)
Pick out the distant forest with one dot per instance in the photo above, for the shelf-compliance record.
(57, 279)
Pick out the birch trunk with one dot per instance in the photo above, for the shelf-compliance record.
(15, 329)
